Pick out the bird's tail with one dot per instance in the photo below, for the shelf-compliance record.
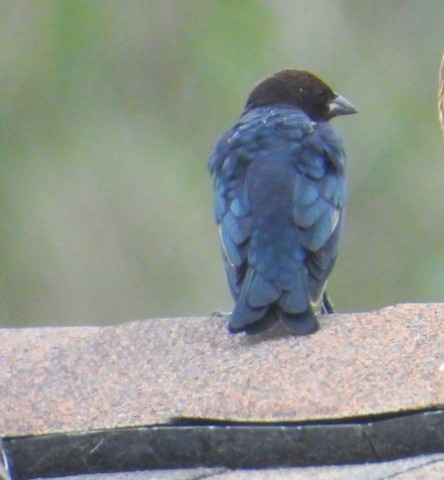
(266, 321)
(260, 305)
(252, 312)
(301, 323)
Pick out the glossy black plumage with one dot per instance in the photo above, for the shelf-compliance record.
(279, 195)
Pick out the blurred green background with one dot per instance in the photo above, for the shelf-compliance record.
(109, 111)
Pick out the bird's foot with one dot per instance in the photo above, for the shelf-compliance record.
(326, 305)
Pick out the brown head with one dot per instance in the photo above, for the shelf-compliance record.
(299, 89)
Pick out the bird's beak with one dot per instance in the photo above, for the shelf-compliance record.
(340, 106)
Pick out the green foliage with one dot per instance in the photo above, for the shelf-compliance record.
(108, 113)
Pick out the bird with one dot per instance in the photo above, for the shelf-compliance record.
(279, 195)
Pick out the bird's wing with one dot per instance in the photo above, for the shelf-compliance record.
(228, 165)
(318, 201)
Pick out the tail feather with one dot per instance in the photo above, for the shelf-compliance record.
(260, 305)
(267, 321)
(243, 316)
(253, 302)
(301, 323)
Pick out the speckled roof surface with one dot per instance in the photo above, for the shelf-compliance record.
(149, 372)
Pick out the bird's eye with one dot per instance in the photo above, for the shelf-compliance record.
(320, 92)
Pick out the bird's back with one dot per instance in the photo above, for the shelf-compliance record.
(279, 196)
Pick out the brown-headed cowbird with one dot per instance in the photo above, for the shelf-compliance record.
(279, 196)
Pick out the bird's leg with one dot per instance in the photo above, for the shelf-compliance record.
(326, 305)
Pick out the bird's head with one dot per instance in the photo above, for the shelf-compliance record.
(300, 89)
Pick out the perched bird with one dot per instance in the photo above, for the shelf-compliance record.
(279, 196)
